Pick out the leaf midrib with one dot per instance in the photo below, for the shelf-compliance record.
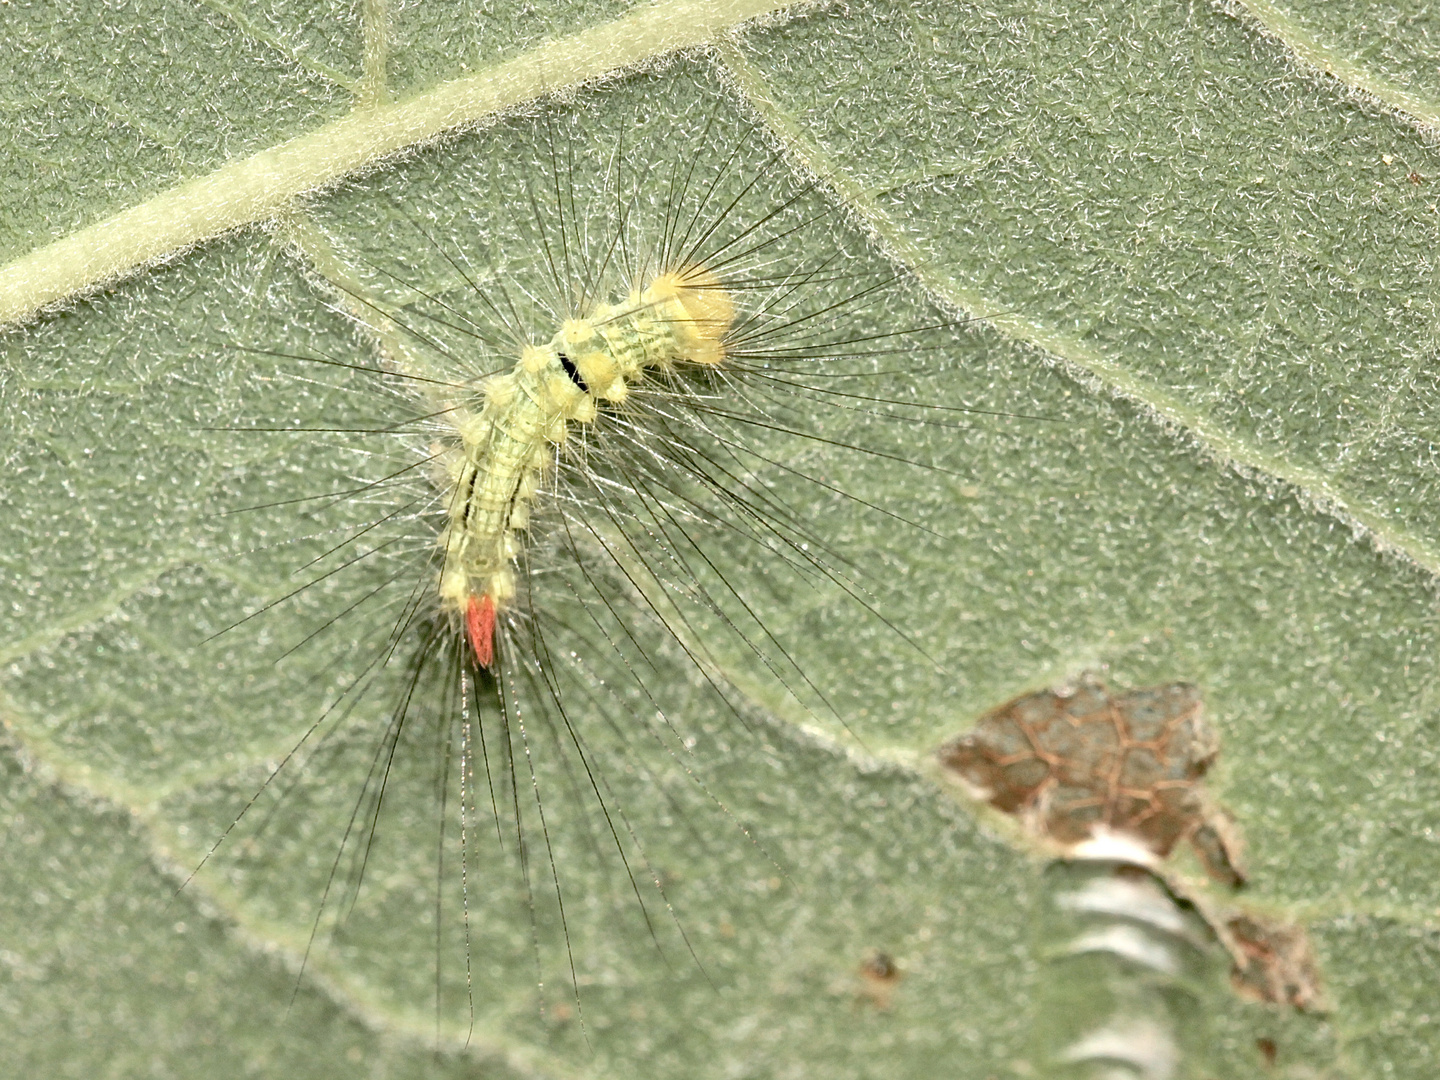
(260, 186)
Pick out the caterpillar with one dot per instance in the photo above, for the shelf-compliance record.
(593, 486)
(494, 471)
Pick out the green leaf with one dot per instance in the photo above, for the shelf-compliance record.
(1210, 266)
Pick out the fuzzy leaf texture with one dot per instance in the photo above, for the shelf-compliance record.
(1201, 239)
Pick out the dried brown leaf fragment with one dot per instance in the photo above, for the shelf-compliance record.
(1076, 762)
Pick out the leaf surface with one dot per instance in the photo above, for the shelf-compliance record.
(1207, 265)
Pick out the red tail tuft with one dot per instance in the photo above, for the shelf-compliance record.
(480, 626)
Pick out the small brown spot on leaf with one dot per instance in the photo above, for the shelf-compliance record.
(1074, 763)
(1273, 962)
(879, 976)
(1415, 178)
(1268, 1050)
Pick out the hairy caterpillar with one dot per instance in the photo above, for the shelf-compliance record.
(681, 317)
(566, 586)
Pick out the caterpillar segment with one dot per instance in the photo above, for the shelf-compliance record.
(494, 468)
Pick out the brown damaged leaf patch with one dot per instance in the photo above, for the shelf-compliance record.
(1072, 763)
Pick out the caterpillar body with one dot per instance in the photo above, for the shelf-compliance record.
(493, 472)
(605, 510)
